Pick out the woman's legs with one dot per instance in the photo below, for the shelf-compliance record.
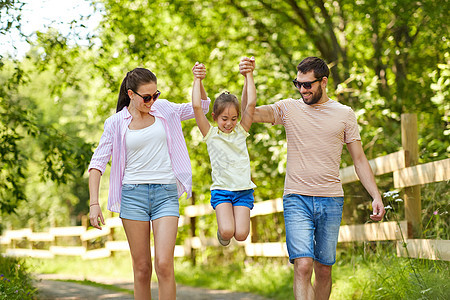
(165, 235)
(138, 236)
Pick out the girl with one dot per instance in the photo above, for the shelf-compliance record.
(150, 170)
(232, 188)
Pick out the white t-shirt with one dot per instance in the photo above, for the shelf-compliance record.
(148, 158)
(230, 162)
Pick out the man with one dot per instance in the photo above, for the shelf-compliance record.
(316, 129)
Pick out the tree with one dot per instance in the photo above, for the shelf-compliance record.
(24, 130)
(379, 54)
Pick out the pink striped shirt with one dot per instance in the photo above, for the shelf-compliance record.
(112, 144)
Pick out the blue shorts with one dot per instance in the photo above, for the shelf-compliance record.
(145, 202)
(312, 226)
(236, 198)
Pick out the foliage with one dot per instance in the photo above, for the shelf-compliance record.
(26, 134)
(10, 16)
(25, 137)
(386, 58)
(376, 54)
(15, 279)
(372, 271)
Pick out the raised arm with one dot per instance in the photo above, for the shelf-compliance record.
(250, 102)
(198, 92)
(364, 172)
(262, 114)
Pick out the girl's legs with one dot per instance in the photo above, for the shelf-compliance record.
(138, 236)
(242, 222)
(165, 235)
(225, 220)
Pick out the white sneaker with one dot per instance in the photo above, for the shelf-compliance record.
(221, 240)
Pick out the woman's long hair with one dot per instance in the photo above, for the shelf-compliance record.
(132, 81)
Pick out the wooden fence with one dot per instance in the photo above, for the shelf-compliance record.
(407, 175)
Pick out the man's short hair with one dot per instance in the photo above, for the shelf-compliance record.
(315, 64)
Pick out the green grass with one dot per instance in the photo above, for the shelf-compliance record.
(372, 271)
(117, 267)
(15, 279)
(363, 271)
(270, 278)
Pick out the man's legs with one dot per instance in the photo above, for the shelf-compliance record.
(303, 268)
(322, 281)
(312, 230)
(303, 289)
(299, 224)
(326, 237)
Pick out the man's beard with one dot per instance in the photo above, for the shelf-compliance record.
(315, 97)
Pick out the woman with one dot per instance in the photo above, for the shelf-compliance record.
(150, 170)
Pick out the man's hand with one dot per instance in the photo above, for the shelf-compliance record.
(246, 65)
(199, 71)
(378, 210)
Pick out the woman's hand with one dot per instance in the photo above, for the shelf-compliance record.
(96, 216)
(199, 71)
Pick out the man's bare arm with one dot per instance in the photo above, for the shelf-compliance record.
(263, 114)
(365, 175)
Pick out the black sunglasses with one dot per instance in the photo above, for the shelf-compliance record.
(306, 85)
(147, 99)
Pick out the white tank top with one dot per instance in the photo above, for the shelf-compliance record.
(148, 159)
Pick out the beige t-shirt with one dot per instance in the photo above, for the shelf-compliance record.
(315, 136)
(230, 162)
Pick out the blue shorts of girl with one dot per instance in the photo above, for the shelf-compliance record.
(236, 198)
(312, 226)
(145, 202)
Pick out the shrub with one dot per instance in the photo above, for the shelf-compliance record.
(15, 280)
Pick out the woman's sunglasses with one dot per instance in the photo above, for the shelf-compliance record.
(306, 85)
(147, 99)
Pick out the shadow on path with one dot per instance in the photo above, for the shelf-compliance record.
(50, 288)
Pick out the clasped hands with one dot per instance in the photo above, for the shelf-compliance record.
(246, 65)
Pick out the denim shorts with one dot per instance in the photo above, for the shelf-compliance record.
(312, 226)
(145, 202)
(236, 198)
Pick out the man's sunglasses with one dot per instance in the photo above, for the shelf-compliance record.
(147, 99)
(306, 85)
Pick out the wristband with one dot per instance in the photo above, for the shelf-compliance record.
(93, 204)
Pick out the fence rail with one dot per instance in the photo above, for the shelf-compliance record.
(405, 176)
(384, 231)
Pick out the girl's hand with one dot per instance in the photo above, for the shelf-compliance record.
(96, 216)
(199, 71)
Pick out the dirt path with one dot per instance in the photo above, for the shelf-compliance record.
(50, 288)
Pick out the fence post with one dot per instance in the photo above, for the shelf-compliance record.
(84, 223)
(32, 227)
(413, 206)
(111, 234)
(193, 226)
(254, 229)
